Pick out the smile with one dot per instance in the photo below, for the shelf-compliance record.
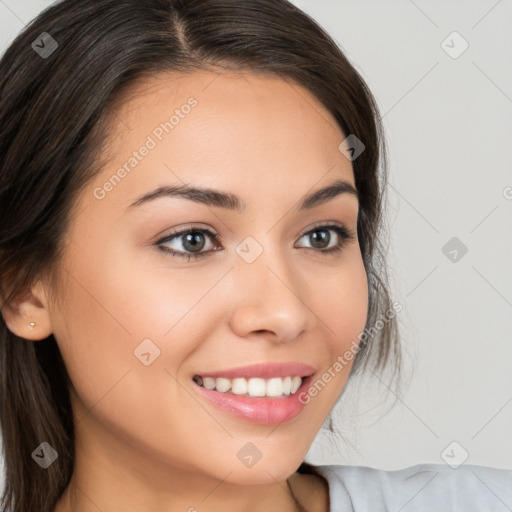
(253, 387)
(266, 394)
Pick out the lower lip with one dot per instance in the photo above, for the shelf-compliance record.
(265, 411)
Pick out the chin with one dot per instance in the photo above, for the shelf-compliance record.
(278, 466)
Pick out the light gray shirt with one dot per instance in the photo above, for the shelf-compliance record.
(420, 488)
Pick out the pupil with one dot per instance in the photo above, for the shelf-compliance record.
(325, 237)
(192, 240)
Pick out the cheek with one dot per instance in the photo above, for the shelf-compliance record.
(343, 309)
(107, 309)
(95, 334)
(345, 303)
(117, 307)
(93, 337)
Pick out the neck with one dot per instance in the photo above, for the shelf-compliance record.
(106, 481)
(76, 499)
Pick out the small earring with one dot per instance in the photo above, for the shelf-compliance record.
(32, 325)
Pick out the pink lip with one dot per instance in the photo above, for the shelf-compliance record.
(264, 410)
(264, 371)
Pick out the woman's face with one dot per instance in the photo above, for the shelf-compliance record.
(135, 323)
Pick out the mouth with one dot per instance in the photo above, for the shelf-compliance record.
(265, 394)
(254, 387)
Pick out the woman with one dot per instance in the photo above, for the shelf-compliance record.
(190, 265)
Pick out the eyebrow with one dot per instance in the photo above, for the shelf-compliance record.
(211, 197)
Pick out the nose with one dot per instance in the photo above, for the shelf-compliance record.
(269, 300)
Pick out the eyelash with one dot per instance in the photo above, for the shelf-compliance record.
(345, 234)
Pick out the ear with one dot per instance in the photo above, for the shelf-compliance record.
(27, 314)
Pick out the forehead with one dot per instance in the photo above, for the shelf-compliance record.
(222, 130)
(259, 104)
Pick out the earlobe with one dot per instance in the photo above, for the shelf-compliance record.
(27, 314)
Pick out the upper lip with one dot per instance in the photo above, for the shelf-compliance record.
(263, 370)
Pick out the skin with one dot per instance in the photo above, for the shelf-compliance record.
(145, 439)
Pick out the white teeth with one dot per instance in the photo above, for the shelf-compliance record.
(239, 386)
(209, 383)
(255, 386)
(222, 385)
(296, 381)
(275, 387)
(287, 385)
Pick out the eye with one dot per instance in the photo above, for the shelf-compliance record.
(191, 242)
(190, 239)
(321, 238)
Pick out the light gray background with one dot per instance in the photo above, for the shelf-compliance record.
(449, 128)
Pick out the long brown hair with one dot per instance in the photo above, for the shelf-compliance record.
(54, 112)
